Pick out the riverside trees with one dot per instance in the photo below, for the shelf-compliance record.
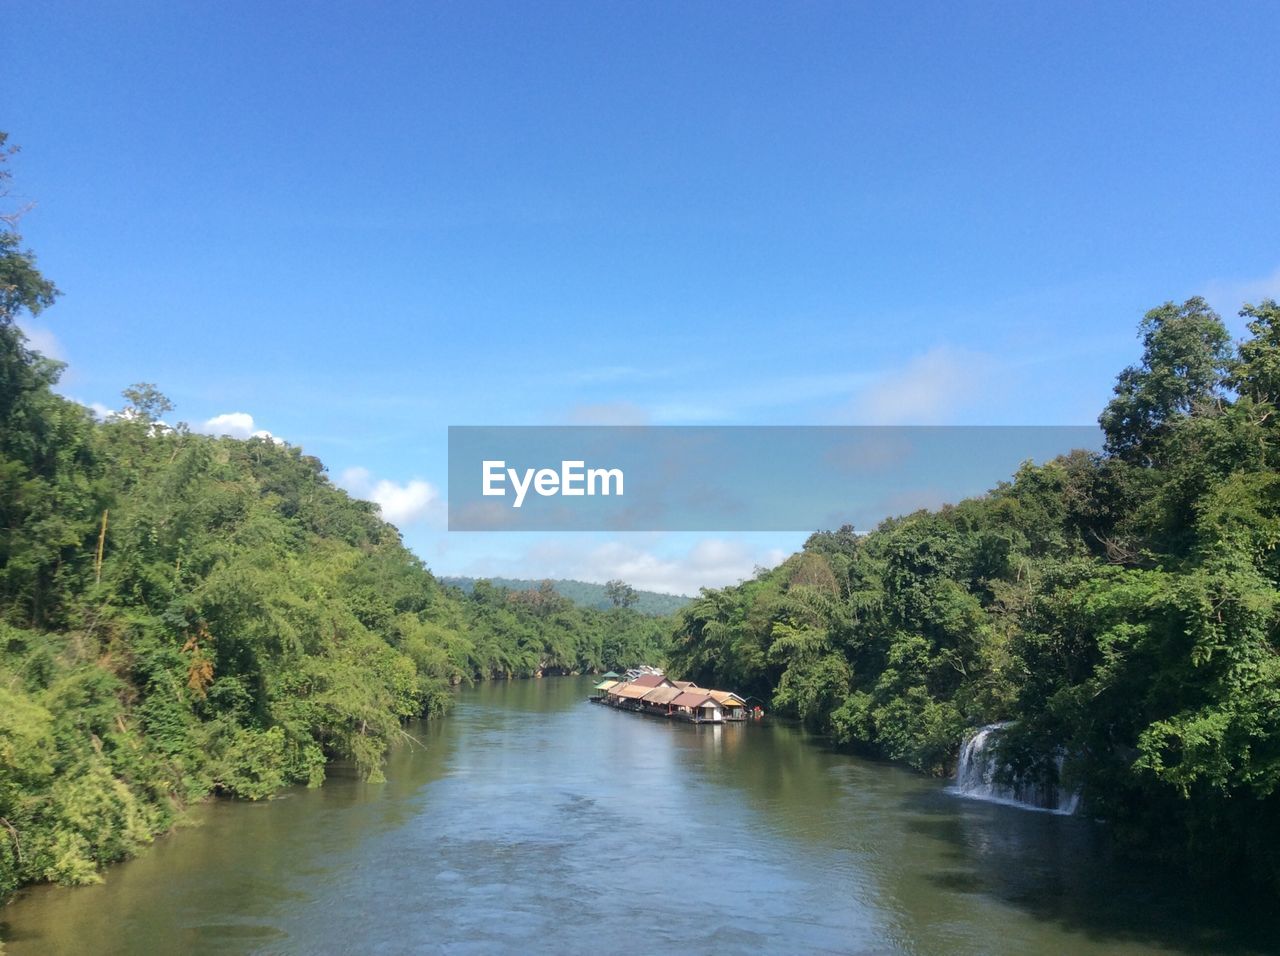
(1122, 606)
(246, 622)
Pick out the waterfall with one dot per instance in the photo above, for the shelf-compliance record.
(980, 767)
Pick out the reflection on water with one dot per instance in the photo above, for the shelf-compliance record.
(532, 820)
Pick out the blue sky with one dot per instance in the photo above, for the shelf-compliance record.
(359, 223)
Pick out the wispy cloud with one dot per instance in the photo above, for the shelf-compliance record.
(745, 396)
(100, 412)
(611, 374)
(402, 504)
(755, 394)
(1228, 295)
(42, 340)
(928, 390)
(609, 413)
(709, 562)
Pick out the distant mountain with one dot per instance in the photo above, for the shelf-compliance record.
(584, 594)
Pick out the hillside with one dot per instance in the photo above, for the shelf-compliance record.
(583, 594)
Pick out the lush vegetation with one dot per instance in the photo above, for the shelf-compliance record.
(587, 594)
(1121, 606)
(246, 622)
(183, 615)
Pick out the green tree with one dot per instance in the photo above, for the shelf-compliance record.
(620, 593)
(1256, 372)
(1185, 359)
(146, 403)
(22, 286)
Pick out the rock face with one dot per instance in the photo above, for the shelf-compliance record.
(980, 771)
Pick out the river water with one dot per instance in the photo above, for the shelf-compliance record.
(532, 821)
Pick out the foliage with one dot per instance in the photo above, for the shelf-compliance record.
(1123, 607)
(22, 286)
(248, 623)
(584, 593)
(620, 593)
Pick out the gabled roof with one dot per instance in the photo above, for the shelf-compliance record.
(662, 695)
(632, 691)
(692, 698)
(650, 680)
(683, 684)
(606, 684)
(611, 674)
(727, 697)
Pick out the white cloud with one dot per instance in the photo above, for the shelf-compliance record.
(356, 480)
(926, 391)
(236, 425)
(100, 412)
(401, 504)
(407, 503)
(708, 562)
(43, 341)
(128, 415)
(711, 562)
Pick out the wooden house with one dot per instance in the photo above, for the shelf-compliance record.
(735, 708)
(697, 706)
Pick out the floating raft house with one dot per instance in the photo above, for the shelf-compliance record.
(649, 691)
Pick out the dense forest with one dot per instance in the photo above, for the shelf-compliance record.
(183, 615)
(588, 594)
(1119, 608)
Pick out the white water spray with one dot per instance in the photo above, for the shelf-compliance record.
(979, 771)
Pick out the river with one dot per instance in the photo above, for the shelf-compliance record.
(530, 820)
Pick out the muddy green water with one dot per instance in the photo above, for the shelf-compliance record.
(532, 821)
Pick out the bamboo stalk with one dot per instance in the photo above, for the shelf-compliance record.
(102, 540)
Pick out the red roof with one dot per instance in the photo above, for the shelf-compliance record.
(692, 698)
(649, 680)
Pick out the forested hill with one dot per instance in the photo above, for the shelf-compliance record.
(1122, 609)
(587, 594)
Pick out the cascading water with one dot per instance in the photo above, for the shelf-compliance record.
(981, 775)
